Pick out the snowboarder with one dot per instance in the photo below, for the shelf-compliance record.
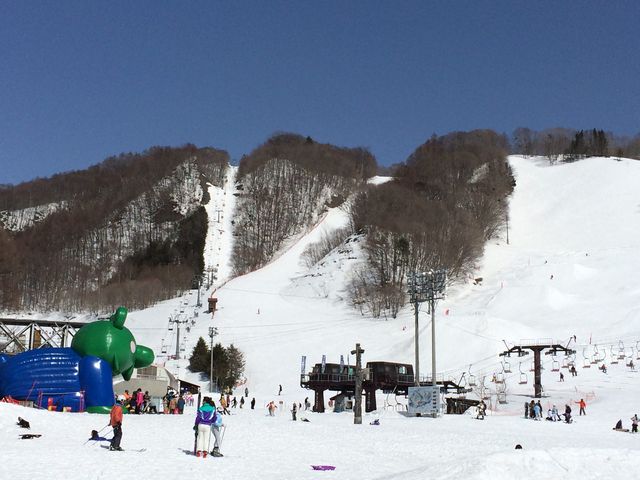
(204, 418)
(634, 424)
(294, 411)
(115, 420)
(253, 403)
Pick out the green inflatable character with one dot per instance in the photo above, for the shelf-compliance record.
(113, 343)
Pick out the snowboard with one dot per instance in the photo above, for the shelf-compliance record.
(27, 436)
(620, 429)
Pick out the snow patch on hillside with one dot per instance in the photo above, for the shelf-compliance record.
(18, 220)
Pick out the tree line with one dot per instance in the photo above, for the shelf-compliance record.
(120, 238)
(228, 363)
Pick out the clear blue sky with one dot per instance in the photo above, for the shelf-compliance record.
(82, 80)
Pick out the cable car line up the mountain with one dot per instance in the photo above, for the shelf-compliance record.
(537, 347)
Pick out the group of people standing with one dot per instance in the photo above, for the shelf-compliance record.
(533, 410)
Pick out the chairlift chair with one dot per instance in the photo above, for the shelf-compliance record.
(506, 366)
(171, 326)
(523, 376)
(565, 362)
(555, 366)
(621, 354)
(472, 381)
(596, 355)
(533, 367)
(164, 349)
(637, 350)
(586, 361)
(499, 377)
(614, 358)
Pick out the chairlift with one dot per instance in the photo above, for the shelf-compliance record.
(463, 380)
(595, 359)
(472, 378)
(502, 398)
(499, 377)
(533, 367)
(164, 349)
(614, 358)
(555, 366)
(523, 376)
(586, 361)
(565, 362)
(621, 354)
(506, 367)
(171, 326)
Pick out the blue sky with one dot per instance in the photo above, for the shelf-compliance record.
(82, 80)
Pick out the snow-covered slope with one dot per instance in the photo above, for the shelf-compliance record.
(569, 269)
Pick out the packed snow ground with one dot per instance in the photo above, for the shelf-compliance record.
(569, 269)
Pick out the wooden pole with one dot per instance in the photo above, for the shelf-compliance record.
(357, 410)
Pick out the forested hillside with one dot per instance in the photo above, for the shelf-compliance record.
(127, 231)
(283, 186)
(438, 211)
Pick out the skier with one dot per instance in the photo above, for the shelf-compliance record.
(215, 429)
(482, 408)
(294, 410)
(582, 404)
(241, 402)
(280, 390)
(526, 409)
(115, 420)
(204, 418)
(307, 404)
(634, 424)
(246, 392)
(532, 415)
(180, 404)
(234, 404)
(272, 408)
(253, 403)
(223, 404)
(567, 413)
(561, 377)
(537, 412)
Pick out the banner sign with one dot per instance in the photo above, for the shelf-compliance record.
(424, 400)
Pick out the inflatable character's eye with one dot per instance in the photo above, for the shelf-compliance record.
(133, 346)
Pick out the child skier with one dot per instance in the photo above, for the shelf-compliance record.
(115, 420)
(634, 424)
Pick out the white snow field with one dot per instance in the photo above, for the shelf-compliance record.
(569, 269)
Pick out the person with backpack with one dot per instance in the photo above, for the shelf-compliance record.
(115, 420)
(205, 417)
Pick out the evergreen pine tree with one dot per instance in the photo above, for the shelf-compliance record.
(200, 359)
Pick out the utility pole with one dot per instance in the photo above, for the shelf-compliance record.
(177, 321)
(357, 411)
(213, 331)
(426, 287)
(199, 304)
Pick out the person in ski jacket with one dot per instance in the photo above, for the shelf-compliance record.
(531, 412)
(582, 404)
(241, 402)
(139, 400)
(526, 409)
(272, 408)
(204, 419)
(180, 403)
(482, 409)
(634, 424)
(537, 412)
(253, 403)
(223, 405)
(555, 415)
(246, 392)
(115, 420)
(567, 414)
(294, 411)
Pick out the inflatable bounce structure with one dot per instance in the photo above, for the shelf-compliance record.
(77, 378)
